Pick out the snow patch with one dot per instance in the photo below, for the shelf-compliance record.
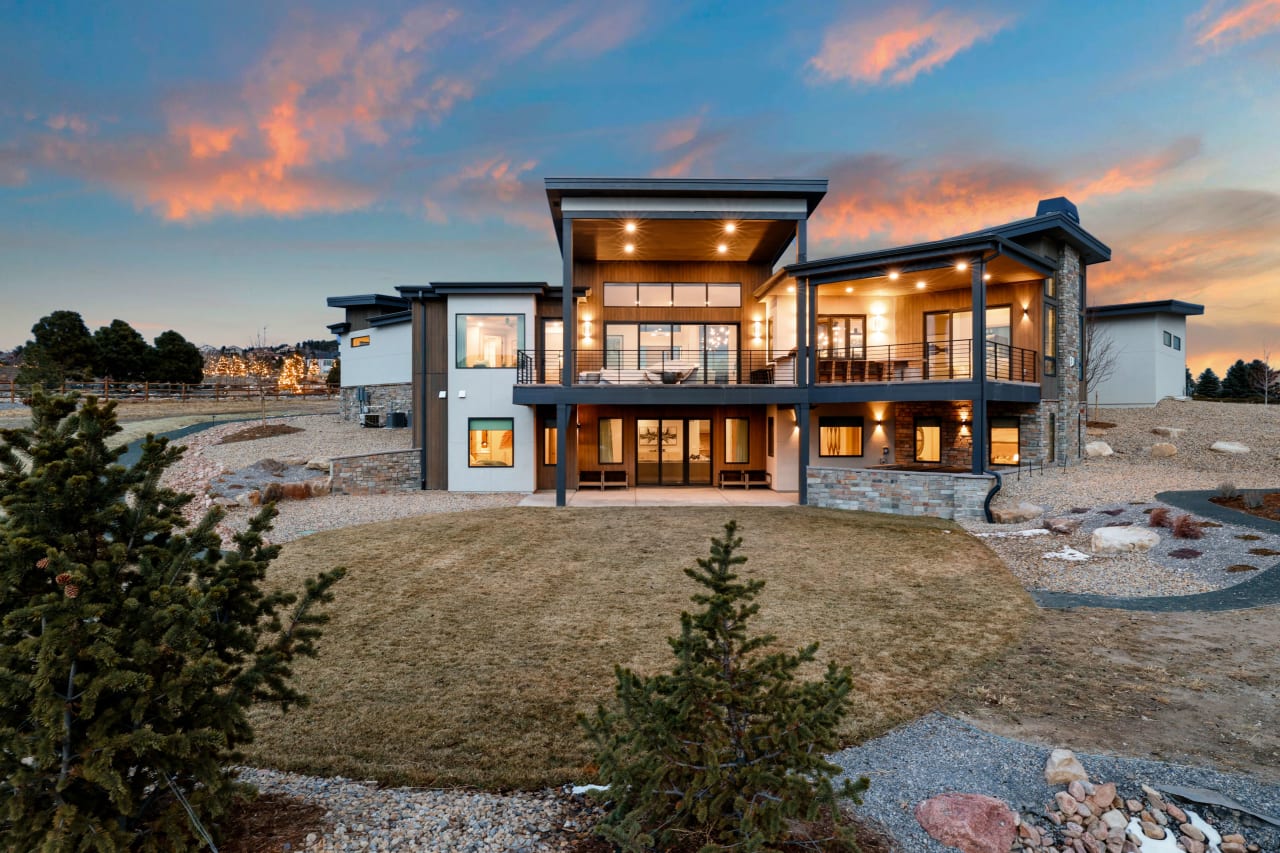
(1067, 553)
(1211, 835)
(579, 790)
(1037, 531)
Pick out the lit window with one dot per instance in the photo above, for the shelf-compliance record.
(928, 439)
(609, 441)
(1004, 441)
(1050, 340)
(360, 341)
(769, 438)
(737, 447)
(549, 442)
(618, 295)
(839, 436)
(489, 340)
(724, 295)
(491, 442)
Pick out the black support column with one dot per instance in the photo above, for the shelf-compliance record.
(802, 484)
(562, 451)
(979, 362)
(569, 339)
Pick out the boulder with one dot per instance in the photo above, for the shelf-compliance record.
(224, 502)
(1168, 432)
(1122, 540)
(971, 822)
(1228, 447)
(1063, 525)
(1095, 449)
(1063, 768)
(319, 465)
(1015, 514)
(320, 486)
(252, 498)
(1163, 449)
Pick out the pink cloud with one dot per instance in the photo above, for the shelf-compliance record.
(579, 29)
(496, 187)
(66, 121)
(1219, 27)
(899, 44)
(687, 145)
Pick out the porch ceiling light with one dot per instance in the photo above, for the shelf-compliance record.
(630, 228)
(920, 285)
(961, 266)
(723, 248)
(986, 276)
(629, 248)
(893, 276)
(730, 227)
(848, 290)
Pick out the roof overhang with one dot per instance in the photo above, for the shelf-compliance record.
(437, 289)
(1130, 309)
(1060, 225)
(367, 300)
(391, 319)
(339, 328)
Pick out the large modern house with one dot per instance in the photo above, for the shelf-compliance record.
(691, 341)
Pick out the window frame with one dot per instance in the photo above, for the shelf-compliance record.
(730, 443)
(1168, 338)
(600, 422)
(1004, 422)
(1049, 342)
(471, 430)
(925, 421)
(361, 341)
(627, 294)
(550, 444)
(460, 341)
(841, 422)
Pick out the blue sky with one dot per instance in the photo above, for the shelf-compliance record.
(221, 168)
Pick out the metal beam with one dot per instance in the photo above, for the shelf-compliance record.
(802, 484)
(978, 340)
(562, 451)
(569, 336)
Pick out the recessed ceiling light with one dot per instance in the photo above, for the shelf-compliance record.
(629, 248)
(791, 288)
(961, 266)
(630, 228)
(730, 227)
(848, 290)
(722, 248)
(893, 276)
(920, 285)
(986, 277)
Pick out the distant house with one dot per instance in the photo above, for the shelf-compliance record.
(1149, 343)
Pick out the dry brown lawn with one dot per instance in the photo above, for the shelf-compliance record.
(463, 645)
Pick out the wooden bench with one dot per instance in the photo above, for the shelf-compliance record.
(604, 478)
(745, 477)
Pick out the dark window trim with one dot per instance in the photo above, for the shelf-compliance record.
(360, 341)
(922, 421)
(512, 430)
(1003, 422)
(670, 285)
(547, 424)
(460, 340)
(769, 440)
(836, 422)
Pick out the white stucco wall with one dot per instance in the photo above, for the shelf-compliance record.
(1146, 371)
(485, 392)
(386, 360)
(786, 450)
(874, 438)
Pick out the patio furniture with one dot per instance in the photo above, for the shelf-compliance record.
(745, 477)
(605, 478)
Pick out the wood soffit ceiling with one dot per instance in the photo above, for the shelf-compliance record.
(753, 240)
(1003, 270)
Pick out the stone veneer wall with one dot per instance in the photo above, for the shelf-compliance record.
(957, 449)
(396, 397)
(376, 473)
(1070, 410)
(900, 492)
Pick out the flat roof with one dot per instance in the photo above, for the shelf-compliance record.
(1159, 306)
(367, 300)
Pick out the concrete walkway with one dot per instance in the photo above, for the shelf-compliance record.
(1259, 591)
(665, 496)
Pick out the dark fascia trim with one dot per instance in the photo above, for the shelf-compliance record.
(871, 264)
(367, 300)
(1160, 306)
(1092, 250)
(391, 319)
(489, 287)
(417, 291)
(812, 190)
(339, 328)
(658, 395)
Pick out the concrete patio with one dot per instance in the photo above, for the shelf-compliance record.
(660, 496)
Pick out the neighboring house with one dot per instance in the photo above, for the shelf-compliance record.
(374, 346)
(1148, 343)
(676, 351)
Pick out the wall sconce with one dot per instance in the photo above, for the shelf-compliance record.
(586, 331)
(1026, 312)
(877, 323)
(757, 331)
(964, 428)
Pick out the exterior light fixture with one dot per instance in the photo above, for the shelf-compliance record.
(730, 227)
(920, 285)
(629, 248)
(757, 329)
(964, 428)
(791, 288)
(848, 290)
(723, 248)
(586, 331)
(630, 228)
(893, 276)
(961, 266)
(986, 276)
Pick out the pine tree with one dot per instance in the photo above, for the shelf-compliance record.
(129, 649)
(1208, 384)
(1190, 383)
(728, 748)
(1236, 383)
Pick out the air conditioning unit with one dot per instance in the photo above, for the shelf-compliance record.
(397, 420)
(372, 419)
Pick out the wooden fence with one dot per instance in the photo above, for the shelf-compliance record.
(12, 392)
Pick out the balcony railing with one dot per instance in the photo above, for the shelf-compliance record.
(913, 362)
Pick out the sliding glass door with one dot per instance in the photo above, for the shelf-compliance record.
(673, 452)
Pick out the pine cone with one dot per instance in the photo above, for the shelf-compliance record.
(63, 578)
(71, 590)
(42, 563)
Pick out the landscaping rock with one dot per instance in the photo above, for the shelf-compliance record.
(971, 822)
(1168, 432)
(1063, 768)
(1096, 449)
(1014, 515)
(224, 502)
(1228, 447)
(1163, 450)
(1063, 525)
(319, 465)
(1122, 540)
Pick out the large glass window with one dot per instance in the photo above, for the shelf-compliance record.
(620, 295)
(839, 436)
(1004, 441)
(724, 295)
(928, 439)
(609, 441)
(655, 296)
(998, 328)
(841, 336)
(682, 294)
(491, 442)
(489, 340)
(711, 349)
(737, 444)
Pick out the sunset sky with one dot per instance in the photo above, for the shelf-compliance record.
(221, 168)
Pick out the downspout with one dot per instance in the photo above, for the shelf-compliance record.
(991, 493)
(986, 505)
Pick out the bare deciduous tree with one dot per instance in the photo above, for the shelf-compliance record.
(1101, 358)
(1263, 378)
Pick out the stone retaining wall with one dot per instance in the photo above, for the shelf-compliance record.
(900, 492)
(376, 473)
(396, 397)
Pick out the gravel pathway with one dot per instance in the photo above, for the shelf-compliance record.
(938, 754)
